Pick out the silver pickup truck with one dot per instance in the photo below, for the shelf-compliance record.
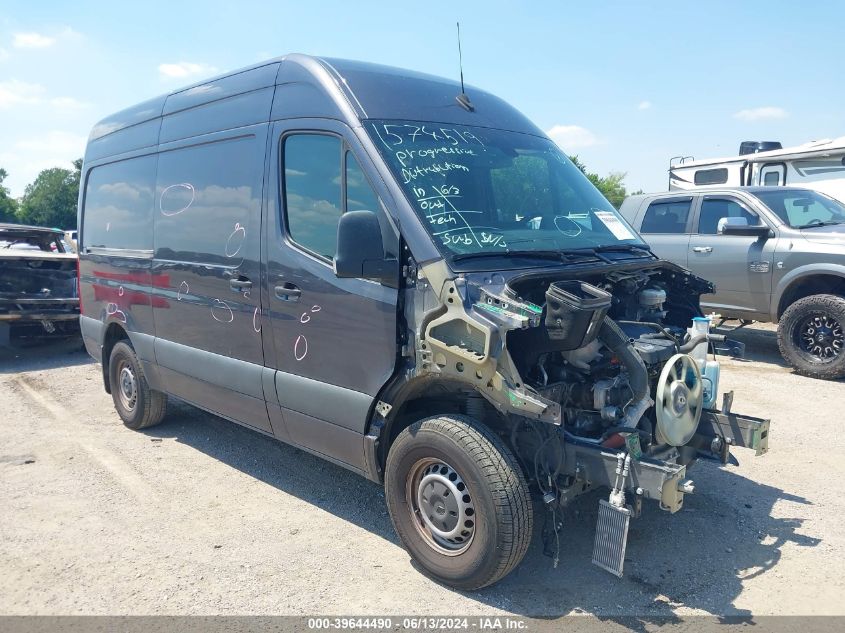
(775, 254)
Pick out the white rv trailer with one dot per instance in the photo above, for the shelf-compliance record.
(818, 165)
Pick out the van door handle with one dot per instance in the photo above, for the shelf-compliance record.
(240, 284)
(702, 249)
(288, 292)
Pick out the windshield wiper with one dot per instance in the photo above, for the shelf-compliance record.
(823, 223)
(596, 251)
(556, 255)
(622, 248)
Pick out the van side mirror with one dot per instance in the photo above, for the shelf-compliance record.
(740, 226)
(360, 249)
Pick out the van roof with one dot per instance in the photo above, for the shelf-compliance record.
(299, 86)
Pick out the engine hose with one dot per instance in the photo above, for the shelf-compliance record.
(616, 340)
(687, 347)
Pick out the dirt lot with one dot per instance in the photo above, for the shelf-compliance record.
(200, 516)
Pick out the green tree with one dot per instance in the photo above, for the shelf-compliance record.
(51, 200)
(612, 185)
(8, 205)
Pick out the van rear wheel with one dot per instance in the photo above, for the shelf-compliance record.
(811, 336)
(458, 501)
(137, 405)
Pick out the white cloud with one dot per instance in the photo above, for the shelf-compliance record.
(644, 105)
(32, 40)
(18, 93)
(67, 104)
(181, 70)
(29, 156)
(571, 137)
(55, 142)
(760, 114)
(14, 92)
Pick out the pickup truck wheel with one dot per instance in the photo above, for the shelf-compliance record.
(137, 405)
(458, 501)
(811, 336)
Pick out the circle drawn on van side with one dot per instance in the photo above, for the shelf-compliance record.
(235, 240)
(176, 198)
(255, 324)
(221, 312)
(300, 348)
(183, 290)
(116, 312)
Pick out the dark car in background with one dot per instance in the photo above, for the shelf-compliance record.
(38, 290)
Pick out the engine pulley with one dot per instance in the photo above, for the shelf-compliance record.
(679, 399)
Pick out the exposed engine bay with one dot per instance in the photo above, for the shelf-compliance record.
(601, 349)
(596, 378)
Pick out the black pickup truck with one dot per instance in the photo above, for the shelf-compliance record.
(38, 291)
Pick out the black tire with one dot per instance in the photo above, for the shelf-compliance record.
(495, 491)
(793, 333)
(139, 407)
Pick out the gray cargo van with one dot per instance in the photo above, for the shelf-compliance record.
(408, 280)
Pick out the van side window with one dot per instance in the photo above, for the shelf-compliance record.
(711, 176)
(209, 200)
(714, 209)
(118, 205)
(359, 195)
(666, 217)
(313, 192)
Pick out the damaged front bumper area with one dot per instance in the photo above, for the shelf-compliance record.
(664, 478)
(614, 390)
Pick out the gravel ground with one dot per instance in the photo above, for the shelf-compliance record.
(201, 516)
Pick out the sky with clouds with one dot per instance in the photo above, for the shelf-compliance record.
(625, 85)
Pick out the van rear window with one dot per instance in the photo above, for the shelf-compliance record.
(118, 205)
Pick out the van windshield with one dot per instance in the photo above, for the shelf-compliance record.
(486, 191)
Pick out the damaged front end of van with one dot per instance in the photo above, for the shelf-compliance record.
(595, 380)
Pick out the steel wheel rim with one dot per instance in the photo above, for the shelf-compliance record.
(442, 509)
(821, 337)
(127, 386)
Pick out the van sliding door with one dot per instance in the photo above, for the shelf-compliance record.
(207, 244)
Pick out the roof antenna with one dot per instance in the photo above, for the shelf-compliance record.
(463, 98)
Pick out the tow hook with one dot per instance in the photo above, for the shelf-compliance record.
(687, 486)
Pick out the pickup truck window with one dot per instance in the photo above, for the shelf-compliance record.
(714, 209)
(666, 217)
(802, 208)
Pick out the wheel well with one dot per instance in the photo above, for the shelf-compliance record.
(436, 399)
(114, 334)
(807, 286)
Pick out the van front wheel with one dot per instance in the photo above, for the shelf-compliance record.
(137, 405)
(458, 500)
